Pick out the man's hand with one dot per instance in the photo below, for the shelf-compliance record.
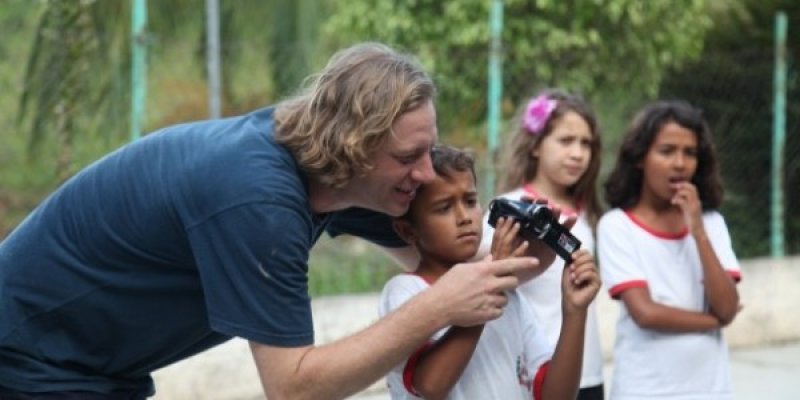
(473, 293)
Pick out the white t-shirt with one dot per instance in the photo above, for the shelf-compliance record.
(544, 295)
(511, 353)
(653, 364)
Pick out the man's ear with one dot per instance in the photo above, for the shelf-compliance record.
(404, 230)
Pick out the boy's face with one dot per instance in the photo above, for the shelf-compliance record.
(445, 221)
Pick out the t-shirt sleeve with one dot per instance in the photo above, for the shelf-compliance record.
(619, 266)
(397, 292)
(370, 225)
(252, 260)
(717, 231)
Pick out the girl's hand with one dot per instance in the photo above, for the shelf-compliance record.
(687, 199)
(580, 282)
(505, 242)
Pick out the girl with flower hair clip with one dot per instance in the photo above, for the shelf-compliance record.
(666, 255)
(554, 153)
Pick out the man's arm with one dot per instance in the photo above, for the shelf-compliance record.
(467, 295)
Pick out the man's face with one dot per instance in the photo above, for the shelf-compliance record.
(401, 165)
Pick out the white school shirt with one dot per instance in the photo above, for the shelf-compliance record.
(653, 364)
(544, 295)
(509, 360)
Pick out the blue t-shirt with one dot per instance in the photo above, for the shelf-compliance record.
(164, 248)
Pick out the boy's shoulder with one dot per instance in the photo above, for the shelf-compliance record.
(406, 281)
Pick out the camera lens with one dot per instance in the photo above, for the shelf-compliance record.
(541, 218)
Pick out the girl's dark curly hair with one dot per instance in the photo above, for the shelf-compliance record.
(623, 186)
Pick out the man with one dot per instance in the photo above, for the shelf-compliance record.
(201, 232)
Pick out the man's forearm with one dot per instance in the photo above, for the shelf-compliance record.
(344, 367)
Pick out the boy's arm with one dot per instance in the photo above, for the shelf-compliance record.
(440, 367)
(580, 283)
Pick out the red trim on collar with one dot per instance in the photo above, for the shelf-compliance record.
(663, 235)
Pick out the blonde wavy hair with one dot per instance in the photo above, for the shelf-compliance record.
(345, 113)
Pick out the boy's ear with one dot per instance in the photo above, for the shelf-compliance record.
(404, 230)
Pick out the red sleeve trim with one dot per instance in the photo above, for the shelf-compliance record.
(735, 275)
(538, 380)
(411, 368)
(617, 290)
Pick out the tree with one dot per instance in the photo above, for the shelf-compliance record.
(613, 46)
(57, 76)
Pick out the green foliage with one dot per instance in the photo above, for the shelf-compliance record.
(589, 46)
(347, 265)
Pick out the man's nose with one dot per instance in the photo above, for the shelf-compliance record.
(423, 170)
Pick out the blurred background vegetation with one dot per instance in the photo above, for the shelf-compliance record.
(65, 83)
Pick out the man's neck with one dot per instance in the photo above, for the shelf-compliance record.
(325, 199)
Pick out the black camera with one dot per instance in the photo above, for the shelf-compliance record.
(536, 222)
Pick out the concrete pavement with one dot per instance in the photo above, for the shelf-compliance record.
(764, 372)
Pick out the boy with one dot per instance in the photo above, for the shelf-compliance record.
(507, 358)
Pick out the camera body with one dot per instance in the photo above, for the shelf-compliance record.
(536, 223)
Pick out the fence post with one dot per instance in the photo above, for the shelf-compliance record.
(139, 66)
(495, 93)
(778, 136)
(212, 59)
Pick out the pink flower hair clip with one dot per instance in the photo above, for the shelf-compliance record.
(537, 113)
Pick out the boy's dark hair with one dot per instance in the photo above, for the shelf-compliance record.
(623, 186)
(446, 160)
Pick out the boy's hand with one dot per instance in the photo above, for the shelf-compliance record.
(505, 242)
(580, 282)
